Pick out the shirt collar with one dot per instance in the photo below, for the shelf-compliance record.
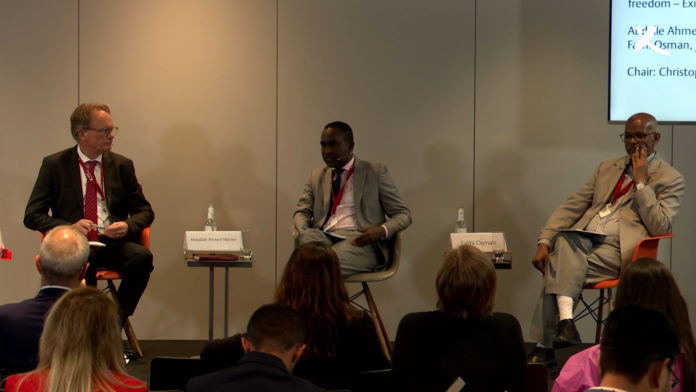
(350, 163)
(85, 158)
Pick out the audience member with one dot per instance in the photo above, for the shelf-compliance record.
(97, 192)
(638, 349)
(627, 199)
(350, 204)
(80, 349)
(273, 344)
(62, 262)
(341, 340)
(464, 339)
(646, 282)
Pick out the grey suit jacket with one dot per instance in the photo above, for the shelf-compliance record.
(377, 201)
(647, 212)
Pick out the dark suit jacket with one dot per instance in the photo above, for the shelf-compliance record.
(256, 371)
(21, 325)
(58, 188)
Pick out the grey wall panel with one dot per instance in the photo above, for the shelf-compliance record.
(402, 76)
(38, 89)
(192, 86)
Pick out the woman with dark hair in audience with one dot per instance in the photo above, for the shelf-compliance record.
(646, 282)
(80, 349)
(464, 341)
(341, 340)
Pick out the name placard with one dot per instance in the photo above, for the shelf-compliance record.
(486, 242)
(213, 241)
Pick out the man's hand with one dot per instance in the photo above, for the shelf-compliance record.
(370, 235)
(639, 159)
(116, 230)
(541, 258)
(84, 226)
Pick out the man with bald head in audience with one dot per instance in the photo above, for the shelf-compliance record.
(626, 199)
(62, 263)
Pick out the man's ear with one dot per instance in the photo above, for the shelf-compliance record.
(38, 263)
(298, 352)
(658, 374)
(246, 345)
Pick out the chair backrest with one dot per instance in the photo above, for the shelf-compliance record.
(647, 247)
(172, 373)
(390, 268)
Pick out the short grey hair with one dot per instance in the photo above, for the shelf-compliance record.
(64, 252)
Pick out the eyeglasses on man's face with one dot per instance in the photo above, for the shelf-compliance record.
(104, 131)
(626, 137)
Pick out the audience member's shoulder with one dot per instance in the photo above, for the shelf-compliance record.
(504, 319)
(417, 319)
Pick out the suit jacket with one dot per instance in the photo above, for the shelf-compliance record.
(256, 371)
(647, 212)
(377, 201)
(58, 188)
(21, 325)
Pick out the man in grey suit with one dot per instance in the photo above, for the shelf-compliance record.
(627, 199)
(350, 204)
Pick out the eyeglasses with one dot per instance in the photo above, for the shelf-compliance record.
(105, 131)
(675, 380)
(625, 137)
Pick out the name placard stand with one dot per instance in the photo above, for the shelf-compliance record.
(492, 244)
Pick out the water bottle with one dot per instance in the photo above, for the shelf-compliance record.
(210, 224)
(461, 222)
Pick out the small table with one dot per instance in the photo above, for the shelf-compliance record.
(212, 264)
(505, 264)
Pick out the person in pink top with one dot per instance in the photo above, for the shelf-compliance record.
(80, 349)
(649, 283)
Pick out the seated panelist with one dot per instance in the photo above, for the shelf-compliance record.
(350, 204)
(96, 191)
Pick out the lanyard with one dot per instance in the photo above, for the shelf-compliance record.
(336, 199)
(618, 191)
(90, 178)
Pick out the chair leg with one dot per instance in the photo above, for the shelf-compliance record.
(130, 334)
(127, 326)
(600, 316)
(379, 325)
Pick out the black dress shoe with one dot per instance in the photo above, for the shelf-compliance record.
(567, 334)
(543, 356)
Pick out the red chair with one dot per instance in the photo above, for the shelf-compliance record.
(109, 276)
(647, 247)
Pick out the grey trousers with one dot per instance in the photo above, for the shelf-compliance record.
(575, 260)
(353, 259)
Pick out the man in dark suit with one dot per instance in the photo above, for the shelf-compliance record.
(62, 263)
(273, 343)
(96, 191)
(350, 204)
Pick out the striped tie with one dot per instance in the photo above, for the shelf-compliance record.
(91, 203)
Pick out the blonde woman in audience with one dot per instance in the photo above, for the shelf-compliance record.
(463, 343)
(649, 283)
(80, 349)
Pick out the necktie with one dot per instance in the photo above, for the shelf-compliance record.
(336, 183)
(91, 202)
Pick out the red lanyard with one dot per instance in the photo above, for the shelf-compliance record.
(336, 199)
(90, 178)
(618, 191)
